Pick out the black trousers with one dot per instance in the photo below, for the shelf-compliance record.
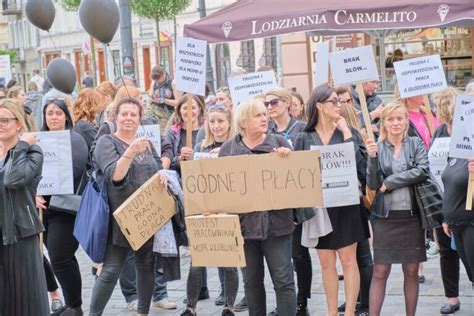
(302, 264)
(50, 278)
(366, 267)
(449, 263)
(464, 237)
(62, 246)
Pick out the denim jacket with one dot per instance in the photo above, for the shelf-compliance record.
(379, 169)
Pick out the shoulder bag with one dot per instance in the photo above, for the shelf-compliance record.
(68, 203)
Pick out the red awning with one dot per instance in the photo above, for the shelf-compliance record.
(249, 19)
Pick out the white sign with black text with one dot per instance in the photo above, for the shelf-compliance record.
(152, 133)
(57, 175)
(438, 158)
(354, 65)
(339, 175)
(246, 87)
(191, 65)
(462, 142)
(203, 155)
(418, 76)
(321, 71)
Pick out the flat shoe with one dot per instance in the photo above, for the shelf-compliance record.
(449, 308)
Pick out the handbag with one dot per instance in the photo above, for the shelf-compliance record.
(430, 203)
(68, 203)
(92, 221)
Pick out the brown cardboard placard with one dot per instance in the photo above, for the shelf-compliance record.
(365, 111)
(145, 211)
(470, 192)
(249, 183)
(215, 240)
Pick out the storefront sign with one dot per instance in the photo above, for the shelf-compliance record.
(191, 65)
(353, 65)
(418, 76)
(246, 87)
(438, 158)
(462, 138)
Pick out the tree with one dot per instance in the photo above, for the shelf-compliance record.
(158, 10)
(69, 5)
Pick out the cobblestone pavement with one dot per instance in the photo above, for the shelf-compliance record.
(430, 300)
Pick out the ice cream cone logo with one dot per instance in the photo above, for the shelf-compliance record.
(226, 28)
(443, 11)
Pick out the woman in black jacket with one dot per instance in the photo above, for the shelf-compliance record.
(23, 285)
(396, 164)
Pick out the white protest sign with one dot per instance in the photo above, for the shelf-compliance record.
(418, 76)
(438, 158)
(462, 143)
(339, 175)
(245, 87)
(152, 133)
(202, 155)
(353, 65)
(5, 69)
(321, 71)
(191, 65)
(57, 176)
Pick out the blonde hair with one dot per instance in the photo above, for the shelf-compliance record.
(209, 138)
(17, 110)
(14, 92)
(397, 98)
(245, 112)
(281, 93)
(387, 110)
(445, 101)
(349, 113)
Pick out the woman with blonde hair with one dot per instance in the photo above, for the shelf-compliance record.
(397, 162)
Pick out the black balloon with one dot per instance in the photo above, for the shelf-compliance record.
(100, 19)
(40, 13)
(62, 75)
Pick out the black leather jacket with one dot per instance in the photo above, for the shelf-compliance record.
(379, 169)
(19, 179)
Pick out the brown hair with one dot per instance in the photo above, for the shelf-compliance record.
(87, 105)
(106, 88)
(128, 100)
(157, 72)
(184, 98)
(445, 101)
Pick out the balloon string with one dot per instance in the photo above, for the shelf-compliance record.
(52, 41)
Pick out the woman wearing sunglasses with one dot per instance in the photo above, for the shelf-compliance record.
(59, 238)
(326, 126)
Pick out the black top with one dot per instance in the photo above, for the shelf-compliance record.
(455, 179)
(87, 131)
(292, 130)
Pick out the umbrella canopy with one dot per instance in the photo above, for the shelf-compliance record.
(249, 19)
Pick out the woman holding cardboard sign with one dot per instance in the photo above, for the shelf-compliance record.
(267, 234)
(396, 164)
(126, 163)
(326, 126)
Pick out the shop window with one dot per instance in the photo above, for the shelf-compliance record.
(223, 64)
(246, 58)
(269, 57)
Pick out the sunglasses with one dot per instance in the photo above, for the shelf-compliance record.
(348, 101)
(273, 102)
(57, 101)
(334, 101)
(217, 107)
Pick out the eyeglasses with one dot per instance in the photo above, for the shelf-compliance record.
(217, 107)
(271, 102)
(335, 101)
(4, 121)
(347, 101)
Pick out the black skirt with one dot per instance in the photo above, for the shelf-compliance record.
(398, 238)
(23, 289)
(347, 228)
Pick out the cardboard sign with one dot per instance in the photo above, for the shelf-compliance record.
(353, 65)
(57, 175)
(422, 75)
(339, 174)
(215, 241)
(145, 211)
(191, 65)
(321, 71)
(438, 158)
(462, 142)
(246, 87)
(202, 155)
(152, 133)
(249, 183)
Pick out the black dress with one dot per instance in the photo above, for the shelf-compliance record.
(346, 221)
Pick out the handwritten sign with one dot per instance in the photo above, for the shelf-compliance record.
(321, 71)
(339, 174)
(191, 65)
(250, 183)
(215, 240)
(438, 158)
(152, 133)
(462, 141)
(144, 212)
(418, 76)
(202, 155)
(245, 87)
(57, 175)
(353, 65)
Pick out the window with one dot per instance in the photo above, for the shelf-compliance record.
(269, 53)
(223, 64)
(246, 58)
(117, 64)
